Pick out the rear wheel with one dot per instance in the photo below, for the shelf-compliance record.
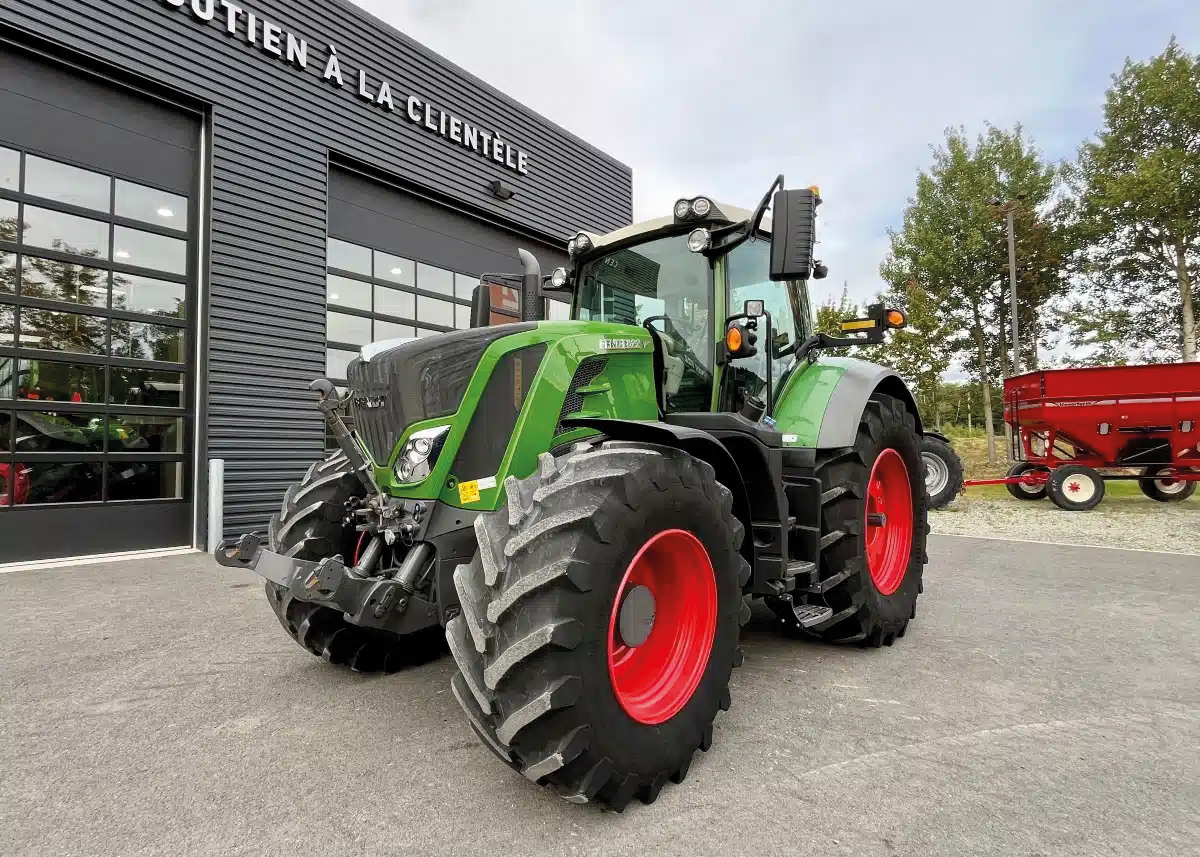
(311, 526)
(1075, 488)
(874, 520)
(943, 471)
(1022, 490)
(600, 621)
(1157, 484)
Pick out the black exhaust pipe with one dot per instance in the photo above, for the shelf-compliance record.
(481, 306)
(531, 287)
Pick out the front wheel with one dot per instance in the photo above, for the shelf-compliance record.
(1025, 490)
(1157, 484)
(600, 621)
(1075, 488)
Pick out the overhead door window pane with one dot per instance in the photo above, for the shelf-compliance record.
(139, 202)
(63, 281)
(143, 341)
(393, 302)
(10, 228)
(143, 294)
(146, 387)
(144, 480)
(65, 233)
(10, 169)
(145, 433)
(345, 292)
(394, 269)
(60, 482)
(8, 272)
(390, 330)
(336, 362)
(462, 316)
(8, 325)
(62, 331)
(435, 311)
(557, 310)
(351, 329)
(51, 381)
(464, 286)
(148, 250)
(64, 183)
(348, 257)
(433, 279)
(55, 432)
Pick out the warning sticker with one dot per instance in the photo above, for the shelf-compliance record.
(468, 492)
(487, 482)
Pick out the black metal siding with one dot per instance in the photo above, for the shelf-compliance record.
(273, 127)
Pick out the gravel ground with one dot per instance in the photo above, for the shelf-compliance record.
(1173, 527)
(1046, 701)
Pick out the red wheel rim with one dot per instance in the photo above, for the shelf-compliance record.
(653, 681)
(889, 521)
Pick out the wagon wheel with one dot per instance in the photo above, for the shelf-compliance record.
(1024, 490)
(1075, 488)
(1157, 484)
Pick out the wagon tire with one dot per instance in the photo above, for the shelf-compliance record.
(943, 471)
(1021, 491)
(1156, 484)
(1075, 487)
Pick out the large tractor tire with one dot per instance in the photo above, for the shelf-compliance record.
(310, 526)
(874, 520)
(600, 621)
(943, 471)
(1157, 484)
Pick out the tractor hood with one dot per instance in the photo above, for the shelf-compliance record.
(396, 384)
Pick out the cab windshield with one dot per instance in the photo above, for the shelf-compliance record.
(667, 285)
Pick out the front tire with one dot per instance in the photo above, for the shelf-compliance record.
(311, 525)
(1075, 488)
(1157, 484)
(547, 677)
(872, 585)
(1021, 490)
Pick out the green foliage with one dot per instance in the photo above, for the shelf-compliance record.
(1136, 215)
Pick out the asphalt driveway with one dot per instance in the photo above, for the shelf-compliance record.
(1046, 701)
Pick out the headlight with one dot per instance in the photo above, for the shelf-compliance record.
(420, 454)
(698, 240)
(682, 208)
(558, 278)
(701, 206)
(582, 243)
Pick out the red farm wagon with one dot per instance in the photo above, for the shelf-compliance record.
(1072, 429)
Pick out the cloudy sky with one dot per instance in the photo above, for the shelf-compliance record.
(719, 97)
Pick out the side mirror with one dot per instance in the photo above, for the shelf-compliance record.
(753, 309)
(481, 305)
(794, 233)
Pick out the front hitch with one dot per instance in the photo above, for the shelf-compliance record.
(328, 404)
(387, 603)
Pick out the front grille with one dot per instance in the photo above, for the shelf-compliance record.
(585, 373)
(413, 381)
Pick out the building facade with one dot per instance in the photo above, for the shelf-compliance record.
(204, 205)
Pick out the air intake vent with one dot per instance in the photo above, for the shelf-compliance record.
(585, 373)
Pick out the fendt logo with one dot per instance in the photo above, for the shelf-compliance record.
(370, 403)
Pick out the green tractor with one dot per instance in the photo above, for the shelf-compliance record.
(586, 505)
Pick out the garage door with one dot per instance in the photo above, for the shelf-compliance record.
(97, 275)
(400, 265)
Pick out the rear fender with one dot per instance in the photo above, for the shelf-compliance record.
(860, 381)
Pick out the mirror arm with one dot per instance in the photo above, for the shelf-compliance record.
(743, 230)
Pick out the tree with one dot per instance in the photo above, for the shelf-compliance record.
(949, 239)
(1137, 210)
(832, 313)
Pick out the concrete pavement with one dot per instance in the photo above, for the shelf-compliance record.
(1046, 701)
